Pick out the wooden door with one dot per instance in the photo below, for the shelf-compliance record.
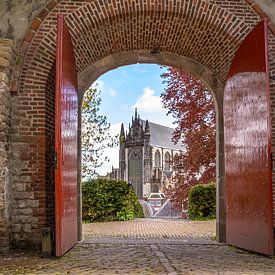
(248, 146)
(66, 118)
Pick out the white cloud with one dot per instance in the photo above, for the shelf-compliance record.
(150, 107)
(148, 102)
(115, 128)
(112, 92)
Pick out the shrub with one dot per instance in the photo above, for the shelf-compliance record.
(202, 201)
(108, 200)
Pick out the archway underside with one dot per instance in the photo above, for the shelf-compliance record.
(207, 32)
(200, 37)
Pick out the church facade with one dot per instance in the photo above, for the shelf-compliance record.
(145, 156)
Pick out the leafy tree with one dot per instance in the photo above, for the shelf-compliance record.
(95, 135)
(191, 104)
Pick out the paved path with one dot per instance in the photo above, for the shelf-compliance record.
(152, 228)
(144, 246)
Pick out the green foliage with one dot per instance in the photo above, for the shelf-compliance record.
(95, 134)
(108, 200)
(202, 201)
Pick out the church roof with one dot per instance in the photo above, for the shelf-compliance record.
(161, 136)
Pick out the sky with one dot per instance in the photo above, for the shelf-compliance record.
(124, 89)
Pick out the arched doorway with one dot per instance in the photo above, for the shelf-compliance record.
(105, 36)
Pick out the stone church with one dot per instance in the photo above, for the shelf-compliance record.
(145, 156)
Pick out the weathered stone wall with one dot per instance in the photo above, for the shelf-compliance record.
(17, 16)
(6, 63)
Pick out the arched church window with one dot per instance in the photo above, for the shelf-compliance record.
(167, 161)
(157, 159)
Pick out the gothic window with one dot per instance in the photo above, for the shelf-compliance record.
(167, 161)
(157, 159)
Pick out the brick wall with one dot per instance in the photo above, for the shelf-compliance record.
(31, 148)
(206, 31)
(6, 63)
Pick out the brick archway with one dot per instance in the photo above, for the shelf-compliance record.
(202, 35)
(95, 70)
(113, 61)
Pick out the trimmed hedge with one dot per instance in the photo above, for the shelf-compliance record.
(109, 200)
(202, 201)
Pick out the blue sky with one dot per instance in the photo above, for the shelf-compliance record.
(126, 88)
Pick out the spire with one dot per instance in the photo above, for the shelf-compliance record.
(122, 133)
(136, 116)
(129, 132)
(147, 129)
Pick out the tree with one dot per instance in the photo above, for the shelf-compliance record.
(95, 135)
(192, 106)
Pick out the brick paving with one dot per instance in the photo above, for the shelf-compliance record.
(144, 246)
(152, 228)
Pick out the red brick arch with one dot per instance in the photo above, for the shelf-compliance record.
(240, 8)
(108, 34)
(101, 66)
(173, 27)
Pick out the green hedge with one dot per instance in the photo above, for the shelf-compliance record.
(109, 200)
(202, 201)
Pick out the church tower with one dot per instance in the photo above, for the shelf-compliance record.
(134, 160)
(122, 161)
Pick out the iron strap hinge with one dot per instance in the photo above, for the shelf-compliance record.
(55, 160)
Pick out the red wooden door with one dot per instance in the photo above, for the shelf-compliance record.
(66, 113)
(248, 146)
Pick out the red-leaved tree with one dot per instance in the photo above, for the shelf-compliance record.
(192, 106)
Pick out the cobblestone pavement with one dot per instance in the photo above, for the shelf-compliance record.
(152, 228)
(124, 248)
